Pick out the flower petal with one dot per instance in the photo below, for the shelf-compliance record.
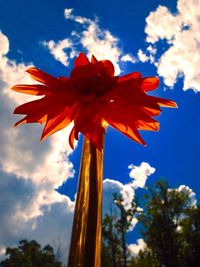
(71, 138)
(149, 83)
(94, 131)
(42, 77)
(125, 118)
(128, 129)
(109, 67)
(85, 113)
(93, 59)
(34, 118)
(33, 106)
(164, 102)
(56, 122)
(81, 60)
(130, 76)
(145, 125)
(31, 89)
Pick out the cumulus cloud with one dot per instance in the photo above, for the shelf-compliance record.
(180, 31)
(61, 49)
(95, 40)
(128, 58)
(142, 56)
(134, 249)
(29, 171)
(139, 174)
(187, 190)
(90, 38)
(110, 187)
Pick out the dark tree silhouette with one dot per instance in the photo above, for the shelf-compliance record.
(30, 254)
(124, 222)
(115, 227)
(171, 226)
(111, 253)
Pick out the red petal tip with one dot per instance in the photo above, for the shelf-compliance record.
(13, 87)
(31, 69)
(93, 59)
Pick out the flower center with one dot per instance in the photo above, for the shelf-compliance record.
(88, 80)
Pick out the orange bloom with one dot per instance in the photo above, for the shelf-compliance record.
(91, 98)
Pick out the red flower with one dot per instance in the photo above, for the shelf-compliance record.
(91, 98)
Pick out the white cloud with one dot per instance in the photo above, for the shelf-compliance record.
(142, 56)
(96, 41)
(128, 58)
(187, 190)
(136, 248)
(4, 44)
(155, 28)
(139, 174)
(58, 50)
(110, 187)
(181, 32)
(102, 44)
(82, 20)
(90, 38)
(29, 171)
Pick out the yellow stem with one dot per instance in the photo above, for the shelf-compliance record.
(85, 248)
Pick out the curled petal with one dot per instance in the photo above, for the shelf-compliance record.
(72, 137)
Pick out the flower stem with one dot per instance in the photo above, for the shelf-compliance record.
(85, 248)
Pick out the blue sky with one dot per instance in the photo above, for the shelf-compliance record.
(158, 38)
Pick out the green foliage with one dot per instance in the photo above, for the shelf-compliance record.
(171, 227)
(30, 254)
(111, 249)
(144, 259)
(114, 229)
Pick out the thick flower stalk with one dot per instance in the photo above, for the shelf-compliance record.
(91, 98)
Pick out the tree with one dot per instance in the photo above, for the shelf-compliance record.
(30, 254)
(170, 226)
(111, 253)
(167, 223)
(144, 259)
(190, 236)
(124, 222)
(114, 228)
